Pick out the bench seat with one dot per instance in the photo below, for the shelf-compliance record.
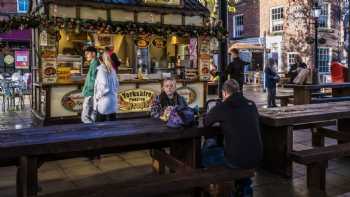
(162, 184)
(330, 99)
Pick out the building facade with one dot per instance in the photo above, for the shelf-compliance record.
(14, 45)
(286, 28)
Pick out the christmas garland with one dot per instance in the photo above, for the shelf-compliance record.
(103, 26)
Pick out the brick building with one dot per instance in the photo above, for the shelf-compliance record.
(283, 26)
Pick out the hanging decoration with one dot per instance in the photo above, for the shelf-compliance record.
(53, 24)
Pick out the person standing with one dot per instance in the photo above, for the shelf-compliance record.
(105, 90)
(87, 115)
(271, 78)
(235, 69)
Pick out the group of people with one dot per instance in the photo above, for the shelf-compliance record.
(100, 87)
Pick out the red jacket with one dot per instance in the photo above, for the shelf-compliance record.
(338, 72)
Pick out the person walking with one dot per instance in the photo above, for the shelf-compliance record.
(271, 78)
(235, 69)
(87, 115)
(105, 90)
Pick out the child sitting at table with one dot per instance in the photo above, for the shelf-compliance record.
(167, 100)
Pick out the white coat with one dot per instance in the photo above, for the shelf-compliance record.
(105, 91)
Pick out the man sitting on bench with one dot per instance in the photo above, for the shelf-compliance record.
(239, 121)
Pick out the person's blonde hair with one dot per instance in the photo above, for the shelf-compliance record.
(106, 58)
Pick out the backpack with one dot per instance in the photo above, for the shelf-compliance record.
(181, 116)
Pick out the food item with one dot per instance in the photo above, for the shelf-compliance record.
(50, 71)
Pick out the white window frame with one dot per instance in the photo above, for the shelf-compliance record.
(21, 11)
(329, 59)
(234, 28)
(288, 58)
(329, 21)
(280, 21)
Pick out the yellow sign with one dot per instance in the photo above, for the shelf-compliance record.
(135, 100)
(164, 2)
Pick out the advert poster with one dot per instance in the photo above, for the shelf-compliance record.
(49, 71)
(135, 100)
(22, 59)
(204, 59)
(73, 101)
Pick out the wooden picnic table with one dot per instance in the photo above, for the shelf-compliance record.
(277, 129)
(33, 146)
(303, 93)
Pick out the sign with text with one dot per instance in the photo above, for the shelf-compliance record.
(164, 2)
(135, 100)
(22, 59)
(73, 101)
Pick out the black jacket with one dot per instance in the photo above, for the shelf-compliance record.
(236, 70)
(239, 121)
(271, 77)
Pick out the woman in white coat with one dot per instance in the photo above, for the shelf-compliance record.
(105, 90)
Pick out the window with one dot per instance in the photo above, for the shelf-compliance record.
(277, 16)
(22, 6)
(238, 26)
(324, 20)
(291, 58)
(324, 60)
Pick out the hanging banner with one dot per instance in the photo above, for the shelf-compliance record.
(135, 100)
(22, 59)
(49, 72)
(204, 59)
(142, 42)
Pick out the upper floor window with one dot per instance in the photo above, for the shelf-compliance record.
(324, 19)
(22, 6)
(277, 15)
(238, 26)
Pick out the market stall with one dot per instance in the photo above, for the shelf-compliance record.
(153, 40)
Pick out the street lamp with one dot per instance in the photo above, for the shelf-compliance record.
(316, 12)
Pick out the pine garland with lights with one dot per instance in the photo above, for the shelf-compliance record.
(103, 26)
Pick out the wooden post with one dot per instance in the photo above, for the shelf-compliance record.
(302, 95)
(278, 143)
(316, 175)
(27, 177)
(316, 172)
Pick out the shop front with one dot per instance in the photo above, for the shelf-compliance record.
(153, 40)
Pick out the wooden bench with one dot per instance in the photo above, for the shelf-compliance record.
(160, 185)
(28, 148)
(316, 159)
(330, 99)
(284, 99)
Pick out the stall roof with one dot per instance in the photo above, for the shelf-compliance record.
(190, 7)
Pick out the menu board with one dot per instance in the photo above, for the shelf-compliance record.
(49, 72)
(62, 70)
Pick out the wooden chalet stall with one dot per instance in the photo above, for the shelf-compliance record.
(153, 40)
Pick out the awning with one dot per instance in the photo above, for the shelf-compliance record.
(248, 43)
(17, 35)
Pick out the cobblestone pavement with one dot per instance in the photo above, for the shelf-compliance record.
(79, 172)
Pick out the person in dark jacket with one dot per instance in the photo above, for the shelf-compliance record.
(293, 70)
(235, 70)
(271, 78)
(239, 121)
(167, 99)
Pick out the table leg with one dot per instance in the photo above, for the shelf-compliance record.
(343, 126)
(27, 177)
(277, 143)
(302, 96)
(189, 152)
